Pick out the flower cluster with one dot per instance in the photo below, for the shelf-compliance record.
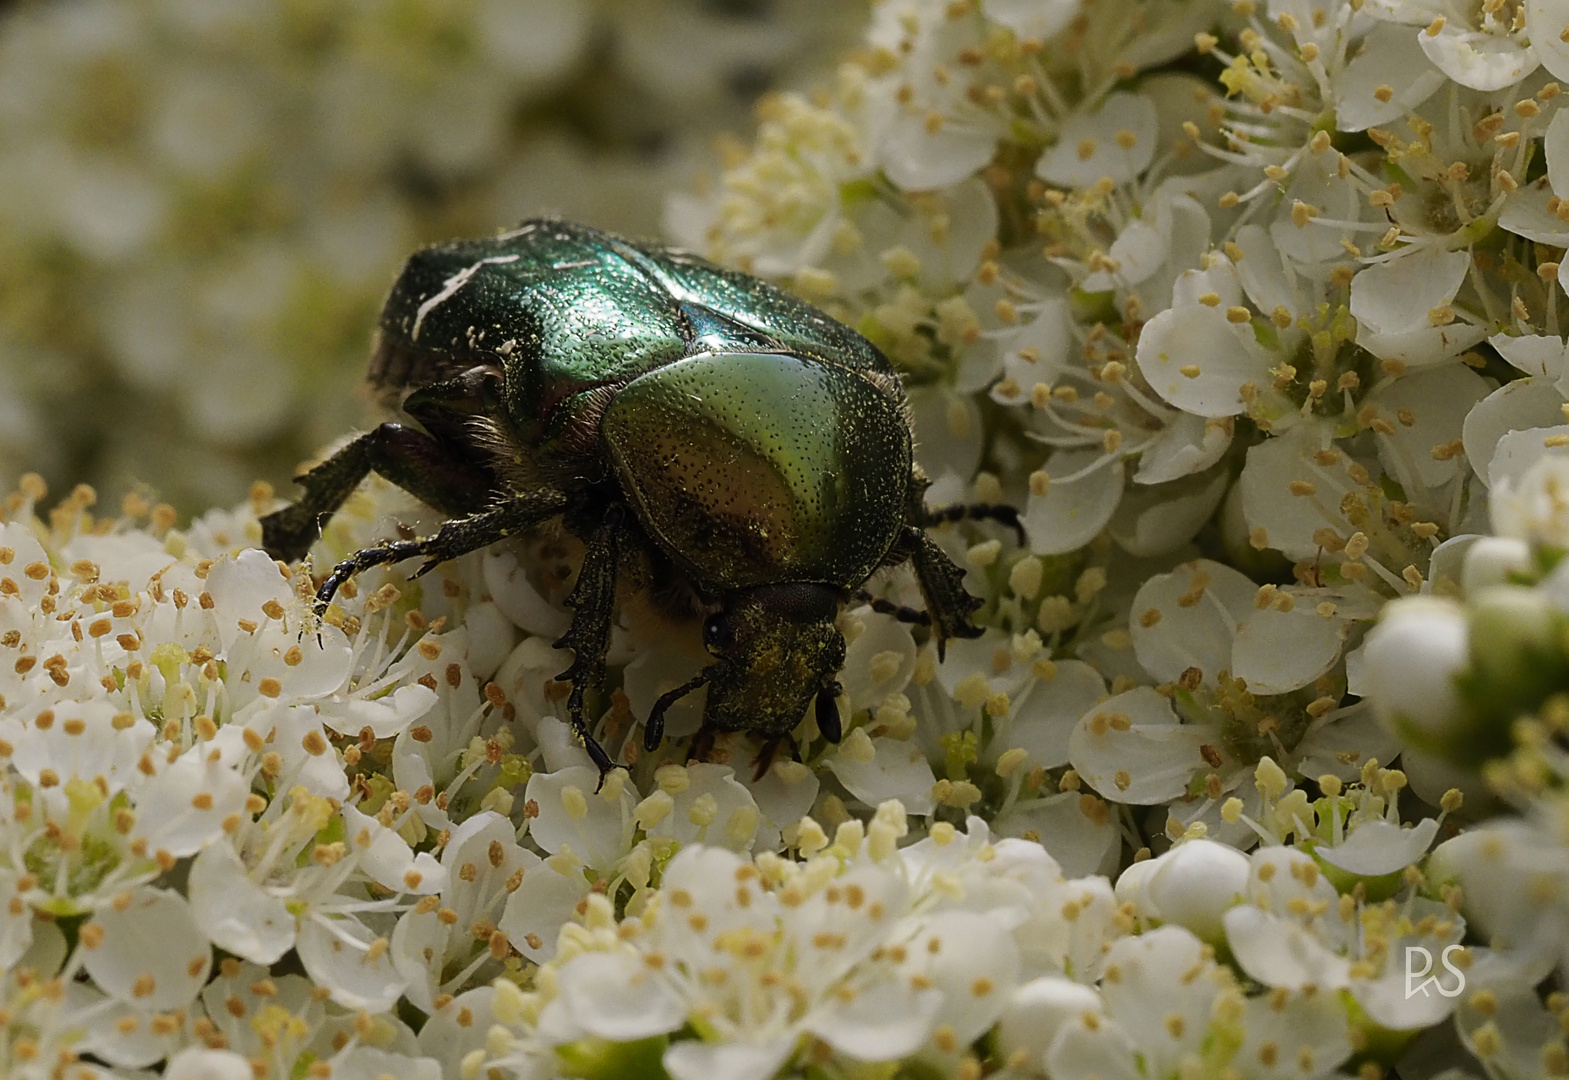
(205, 204)
(1254, 309)
(1475, 683)
(236, 839)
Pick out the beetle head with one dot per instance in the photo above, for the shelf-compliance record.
(777, 646)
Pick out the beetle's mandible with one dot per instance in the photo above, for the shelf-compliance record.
(694, 427)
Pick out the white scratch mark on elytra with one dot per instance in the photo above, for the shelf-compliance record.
(451, 286)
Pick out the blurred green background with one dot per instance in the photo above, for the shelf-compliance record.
(202, 202)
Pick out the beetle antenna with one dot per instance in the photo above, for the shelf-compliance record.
(654, 730)
(828, 711)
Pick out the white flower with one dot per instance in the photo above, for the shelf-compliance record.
(1536, 508)
(717, 933)
(1295, 933)
(569, 811)
(707, 806)
(934, 134)
(258, 901)
(1485, 49)
(1059, 925)
(1142, 1030)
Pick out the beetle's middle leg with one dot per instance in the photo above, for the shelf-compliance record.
(456, 537)
(593, 602)
(999, 512)
(913, 616)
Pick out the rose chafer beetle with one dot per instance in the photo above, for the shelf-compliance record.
(708, 437)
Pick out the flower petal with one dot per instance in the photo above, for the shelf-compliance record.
(1534, 354)
(1397, 295)
(1380, 847)
(1480, 61)
(1529, 403)
(1277, 651)
(350, 962)
(1288, 496)
(152, 953)
(1189, 618)
(1074, 510)
(1525, 213)
(885, 1021)
(236, 913)
(1189, 444)
(1074, 827)
(690, 1059)
(1386, 51)
(898, 771)
(1426, 409)
(1197, 360)
(917, 158)
(540, 906)
(1044, 715)
(1153, 521)
(575, 813)
(1545, 22)
(617, 996)
(1279, 953)
(1116, 140)
(1149, 759)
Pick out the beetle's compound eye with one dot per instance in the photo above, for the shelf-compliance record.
(717, 636)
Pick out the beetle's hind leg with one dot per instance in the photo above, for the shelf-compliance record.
(999, 512)
(593, 601)
(419, 464)
(457, 537)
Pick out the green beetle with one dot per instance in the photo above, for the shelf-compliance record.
(736, 452)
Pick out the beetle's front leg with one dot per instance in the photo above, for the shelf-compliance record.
(457, 537)
(424, 467)
(593, 602)
(289, 533)
(942, 584)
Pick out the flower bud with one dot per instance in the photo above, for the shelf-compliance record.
(1410, 663)
(1036, 1011)
(1133, 888)
(1512, 629)
(1195, 883)
(1490, 560)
